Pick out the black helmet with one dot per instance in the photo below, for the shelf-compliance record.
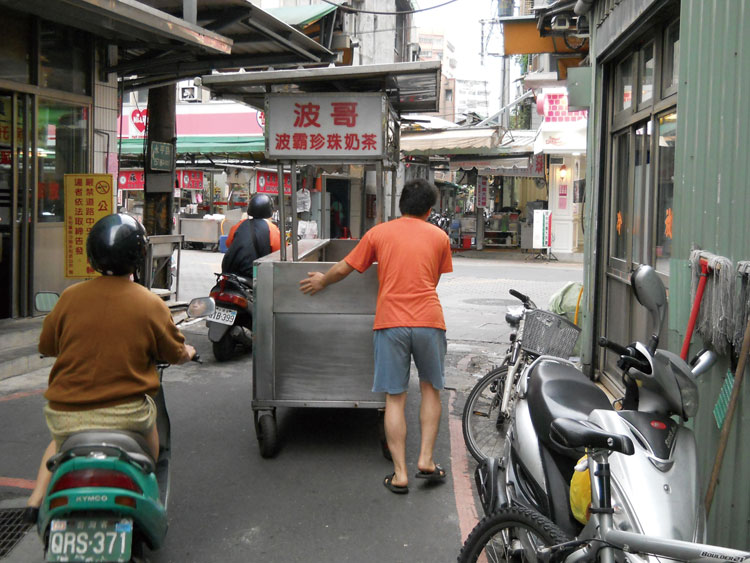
(260, 206)
(116, 245)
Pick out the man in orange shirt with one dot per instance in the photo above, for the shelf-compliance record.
(256, 237)
(411, 255)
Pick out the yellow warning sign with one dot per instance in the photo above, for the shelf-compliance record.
(88, 198)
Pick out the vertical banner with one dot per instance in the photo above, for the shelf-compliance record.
(542, 224)
(483, 191)
(88, 198)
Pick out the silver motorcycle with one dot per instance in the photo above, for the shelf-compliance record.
(654, 488)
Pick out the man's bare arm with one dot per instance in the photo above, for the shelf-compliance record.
(318, 280)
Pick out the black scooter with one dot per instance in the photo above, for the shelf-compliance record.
(231, 324)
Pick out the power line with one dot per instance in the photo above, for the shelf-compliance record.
(384, 13)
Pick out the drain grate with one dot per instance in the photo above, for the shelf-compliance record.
(12, 529)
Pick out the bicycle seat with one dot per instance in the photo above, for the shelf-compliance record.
(558, 390)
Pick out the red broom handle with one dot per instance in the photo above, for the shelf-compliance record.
(694, 311)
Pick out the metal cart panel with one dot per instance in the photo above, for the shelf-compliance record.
(331, 363)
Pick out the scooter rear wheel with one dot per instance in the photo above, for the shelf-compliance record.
(484, 430)
(511, 534)
(224, 348)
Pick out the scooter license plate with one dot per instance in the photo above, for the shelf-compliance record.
(223, 316)
(90, 539)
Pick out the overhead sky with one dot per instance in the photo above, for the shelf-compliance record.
(460, 22)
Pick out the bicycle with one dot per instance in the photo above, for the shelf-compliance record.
(489, 407)
(519, 534)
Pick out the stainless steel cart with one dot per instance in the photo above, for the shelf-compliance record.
(311, 351)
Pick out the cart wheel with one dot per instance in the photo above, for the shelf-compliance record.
(381, 436)
(268, 441)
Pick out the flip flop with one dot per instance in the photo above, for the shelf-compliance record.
(398, 489)
(435, 476)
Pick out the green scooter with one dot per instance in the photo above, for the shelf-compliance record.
(107, 497)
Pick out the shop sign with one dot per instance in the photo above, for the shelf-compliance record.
(190, 179)
(268, 182)
(562, 196)
(136, 179)
(542, 235)
(6, 157)
(329, 125)
(162, 156)
(131, 180)
(483, 191)
(88, 198)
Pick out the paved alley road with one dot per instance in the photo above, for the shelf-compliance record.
(321, 499)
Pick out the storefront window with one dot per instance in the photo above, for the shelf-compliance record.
(642, 159)
(620, 211)
(63, 148)
(624, 85)
(671, 56)
(665, 191)
(14, 55)
(65, 59)
(647, 62)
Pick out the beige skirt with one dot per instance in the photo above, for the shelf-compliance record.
(136, 416)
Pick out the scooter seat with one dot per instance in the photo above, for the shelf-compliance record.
(132, 443)
(558, 390)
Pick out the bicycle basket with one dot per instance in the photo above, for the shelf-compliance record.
(548, 334)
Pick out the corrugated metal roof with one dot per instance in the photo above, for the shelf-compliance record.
(410, 87)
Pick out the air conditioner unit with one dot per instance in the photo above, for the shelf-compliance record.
(560, 22)
(189, 93)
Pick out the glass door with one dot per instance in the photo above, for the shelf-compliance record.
(16, 204)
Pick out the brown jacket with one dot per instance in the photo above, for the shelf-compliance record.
(107, 333)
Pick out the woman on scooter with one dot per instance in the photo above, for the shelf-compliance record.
(106, 333)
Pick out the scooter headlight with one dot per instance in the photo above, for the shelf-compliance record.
(689, 400)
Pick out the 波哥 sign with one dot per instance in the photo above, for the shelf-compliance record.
(329, 125)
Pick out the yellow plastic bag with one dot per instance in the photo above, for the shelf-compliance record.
(580, 493)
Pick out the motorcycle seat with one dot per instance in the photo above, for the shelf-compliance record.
(558, 390)
(81, 443)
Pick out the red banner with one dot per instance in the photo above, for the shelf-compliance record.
(268, 183)
(186, 179)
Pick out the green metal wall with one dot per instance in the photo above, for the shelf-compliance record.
(712, 212)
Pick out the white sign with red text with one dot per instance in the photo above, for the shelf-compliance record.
(328, 125)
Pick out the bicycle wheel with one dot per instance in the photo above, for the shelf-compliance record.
(511, 534)
(483, 425)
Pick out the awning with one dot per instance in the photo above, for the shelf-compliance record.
(559, 138)
(204, 145)
(157, 47)
(411, 87)
(524, 167)
(484, 141)
(300, 16)
(454, 141)
(126, 20)
(443, 184)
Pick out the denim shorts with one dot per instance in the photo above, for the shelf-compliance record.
(394, 348)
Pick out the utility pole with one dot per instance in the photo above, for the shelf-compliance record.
(159, 166)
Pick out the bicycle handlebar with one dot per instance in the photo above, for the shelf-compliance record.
(525, 299)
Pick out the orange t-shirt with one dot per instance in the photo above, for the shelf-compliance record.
(273, 233)
(411, 254)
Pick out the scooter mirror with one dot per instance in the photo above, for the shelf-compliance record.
(201, 307)
(649, 291)
(45, 301)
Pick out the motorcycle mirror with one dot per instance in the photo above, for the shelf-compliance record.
(649, 291)
(702, 362)
(201, 307)
(45, 301)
